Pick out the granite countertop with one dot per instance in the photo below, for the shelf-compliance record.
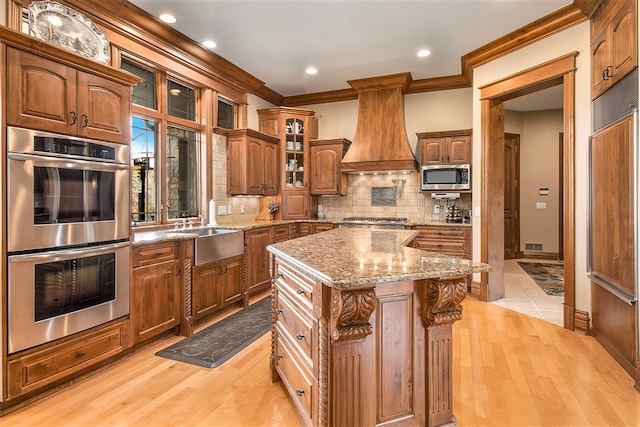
(345, 258)
(142, 236)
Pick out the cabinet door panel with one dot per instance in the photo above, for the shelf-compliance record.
(206, 294)
(255, 166)
(599, 63)
(325, 163)
(271, 169)
(232, 278)
(624, 42)
(459, 150)
(257, 262)
(295, 205)
(104, 109)
(29, 77)
(432, 151)
(155, 299)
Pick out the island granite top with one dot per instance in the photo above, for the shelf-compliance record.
(349, 257)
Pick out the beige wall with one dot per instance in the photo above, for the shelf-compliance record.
(573, 39)
(539, 167)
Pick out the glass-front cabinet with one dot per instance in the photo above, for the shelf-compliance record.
(294, 127)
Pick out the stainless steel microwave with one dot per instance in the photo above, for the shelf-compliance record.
(446, 177)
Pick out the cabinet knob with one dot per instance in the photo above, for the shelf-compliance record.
(299, 392)
(278, 357)
(300, 291)
(79, 355)
(278, 275)
(300, 336)
(278, 311)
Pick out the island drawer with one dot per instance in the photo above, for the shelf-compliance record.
(443, 247)
(303, 289)
(296, 322)
(153, 254)
(441, 233)
(295, 376)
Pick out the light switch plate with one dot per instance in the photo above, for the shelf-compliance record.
(541, 206)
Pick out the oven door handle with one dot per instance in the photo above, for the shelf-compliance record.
(68, 163)
(52, 256)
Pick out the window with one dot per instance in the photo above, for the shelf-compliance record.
(226, 116)
(144, 94)
(144, 202)
(181, 101)
(164, 148)
(182, 173)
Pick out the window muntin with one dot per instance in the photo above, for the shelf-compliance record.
(144, 178)
(181, 101)
(144, 93)
(182, 173)
(226, 114)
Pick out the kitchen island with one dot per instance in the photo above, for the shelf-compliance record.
(361, 331)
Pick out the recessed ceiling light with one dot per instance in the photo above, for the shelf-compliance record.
(209, 44)
(311, 70)
(168, 18)
(424, 53)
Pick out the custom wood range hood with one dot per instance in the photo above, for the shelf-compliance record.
(380, 142)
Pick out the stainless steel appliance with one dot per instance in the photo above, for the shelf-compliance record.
(68, 249)
(445, 177)
(54, 294)
(376, 223)
(65, 191)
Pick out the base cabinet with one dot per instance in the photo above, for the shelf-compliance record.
(256, 261)
(216, 285)
(46, 366)
(155, 290)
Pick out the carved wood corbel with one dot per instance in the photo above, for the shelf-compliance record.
(441, 301)
(350, 312)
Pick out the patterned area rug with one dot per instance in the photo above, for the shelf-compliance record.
(550, 277)
(219, 342)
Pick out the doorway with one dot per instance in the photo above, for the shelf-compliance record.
(560, 71)
(511, 195)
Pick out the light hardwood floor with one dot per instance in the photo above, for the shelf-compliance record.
(509, 370)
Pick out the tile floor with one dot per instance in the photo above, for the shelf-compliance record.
(524, 296)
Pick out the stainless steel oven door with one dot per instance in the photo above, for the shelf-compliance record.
(57, 202)
(56, 294)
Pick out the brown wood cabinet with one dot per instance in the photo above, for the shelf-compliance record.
(614, 44)
(216, 285)
(449, 147)
(256, 260)
(155, 290)
(46, 366)
(294, 127)
(252, 163)
(326, 175)
(55, 97)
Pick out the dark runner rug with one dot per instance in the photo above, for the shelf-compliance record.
(550, 277)
(219, 342)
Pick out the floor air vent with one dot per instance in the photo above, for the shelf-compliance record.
(533, 246)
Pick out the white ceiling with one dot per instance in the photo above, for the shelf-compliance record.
(276, 40)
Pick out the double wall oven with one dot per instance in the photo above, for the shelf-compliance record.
(67, 235)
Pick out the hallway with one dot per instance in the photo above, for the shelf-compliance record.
(523, 295)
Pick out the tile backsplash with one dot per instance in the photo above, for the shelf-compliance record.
(410, 201)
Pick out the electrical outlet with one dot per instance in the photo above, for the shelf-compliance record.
(229, 210)
(436, 209)
(241, 209)
(222, 210)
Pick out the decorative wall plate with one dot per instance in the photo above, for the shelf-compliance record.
(57, 24)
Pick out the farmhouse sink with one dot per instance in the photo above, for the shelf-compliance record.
(214, 244)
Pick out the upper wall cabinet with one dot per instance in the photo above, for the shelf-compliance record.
(326, 156)
(614, 45)
(51, 96)
(442, 148)
(252, 163)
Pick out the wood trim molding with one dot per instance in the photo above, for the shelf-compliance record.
(350, 312)
(441, 301)
(582, 321)
(589, 7)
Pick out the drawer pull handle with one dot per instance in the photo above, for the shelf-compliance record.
(299, 392)
(278, 275)
(278, 311)
(278, 357)
(79, 355)
(300, 291)
(300, 336)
